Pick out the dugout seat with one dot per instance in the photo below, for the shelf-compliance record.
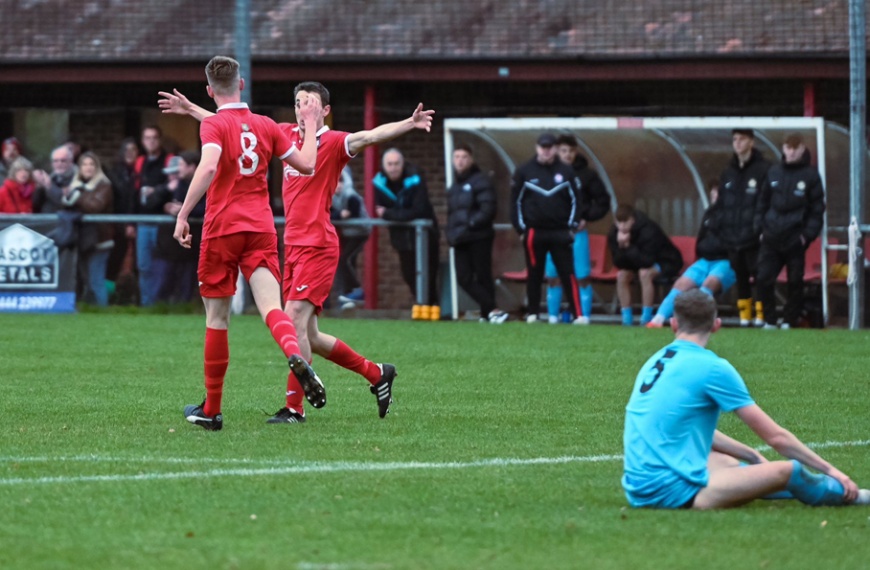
(601, 266)
(686, 245)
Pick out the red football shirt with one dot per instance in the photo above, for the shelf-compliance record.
(307, 198)
(238, 198)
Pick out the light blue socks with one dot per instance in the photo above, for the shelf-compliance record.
(627, 319)
(814, 489)
(554, 300)
(586, 300)
(646, 315)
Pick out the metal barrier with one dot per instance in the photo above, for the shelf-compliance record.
(421, 235)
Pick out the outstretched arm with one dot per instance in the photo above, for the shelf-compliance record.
(419, 119)
(786, 444)
(176, 103)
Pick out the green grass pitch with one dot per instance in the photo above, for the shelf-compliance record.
(502, 450)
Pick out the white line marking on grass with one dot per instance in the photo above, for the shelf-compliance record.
(287, 468)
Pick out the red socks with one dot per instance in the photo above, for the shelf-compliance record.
(344, 356)
(283, 331)
(217, 358)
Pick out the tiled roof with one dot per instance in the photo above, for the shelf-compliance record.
(122, 31)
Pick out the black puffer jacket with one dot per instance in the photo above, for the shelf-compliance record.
(471, 205)
(738, 196)
(709, 245)
(648, 245)
(791, 205)
(544, 197)
(594, 199)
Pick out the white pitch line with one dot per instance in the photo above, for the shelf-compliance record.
(312, 467)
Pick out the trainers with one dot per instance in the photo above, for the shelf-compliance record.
(758, 322)
(383, 390)
(745, 322)
(315, 393)
(580, 321)
(196, 415)
(531, 319)
(785, 326)
(497, 316)
(863, 497)
(769, 327)
(355, 296)
(553, 319)
(657, 322)
(286, 416)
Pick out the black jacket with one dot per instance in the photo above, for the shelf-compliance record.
(545, 197)
(149, 172)
(738, 197)
(709, 245)
(471, 205)
(648, 245)
(791, 205)
(405, 199)
(594, 199)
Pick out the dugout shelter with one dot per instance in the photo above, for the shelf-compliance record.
(659, 165)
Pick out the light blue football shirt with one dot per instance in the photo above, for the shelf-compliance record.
(670, 419)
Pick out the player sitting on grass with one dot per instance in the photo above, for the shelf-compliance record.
(712, 271)
(675, 458)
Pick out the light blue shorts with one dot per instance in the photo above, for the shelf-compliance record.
(720, 269)
(582, 265)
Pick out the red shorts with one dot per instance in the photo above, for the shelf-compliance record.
(308, 273)
(220, 259)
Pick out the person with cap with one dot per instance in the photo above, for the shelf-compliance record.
(176, 265)
(10, 149)
(789, 216)
(545, 211)
(739, 185)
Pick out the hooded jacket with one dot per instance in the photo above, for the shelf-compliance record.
(16, 198)
(738, 196)
(648, 245)
(405, 199)
(791, 205)
(709, 245)
(471, 206)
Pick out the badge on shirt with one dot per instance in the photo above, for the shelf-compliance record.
(466, 188)
(558, 178)
(801, 188)
(752, 186)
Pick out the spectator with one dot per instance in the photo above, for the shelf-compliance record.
(402, 196)
(10, 149)
(348, 205)
(51, 190)
(148, 172)
(177, 264)
(638, 245)
(739, 185)
(122, 260)
(594, 205)
(545, 210)
(711, 272)
(16, 192)
(471, 205)
(91, 193)
(789, 217)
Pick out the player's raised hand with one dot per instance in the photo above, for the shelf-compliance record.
(182, 233)
(174, 102)
(308, 109)
(422, 119)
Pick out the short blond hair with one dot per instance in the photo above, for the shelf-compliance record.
(223, 75)
(20, 163)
